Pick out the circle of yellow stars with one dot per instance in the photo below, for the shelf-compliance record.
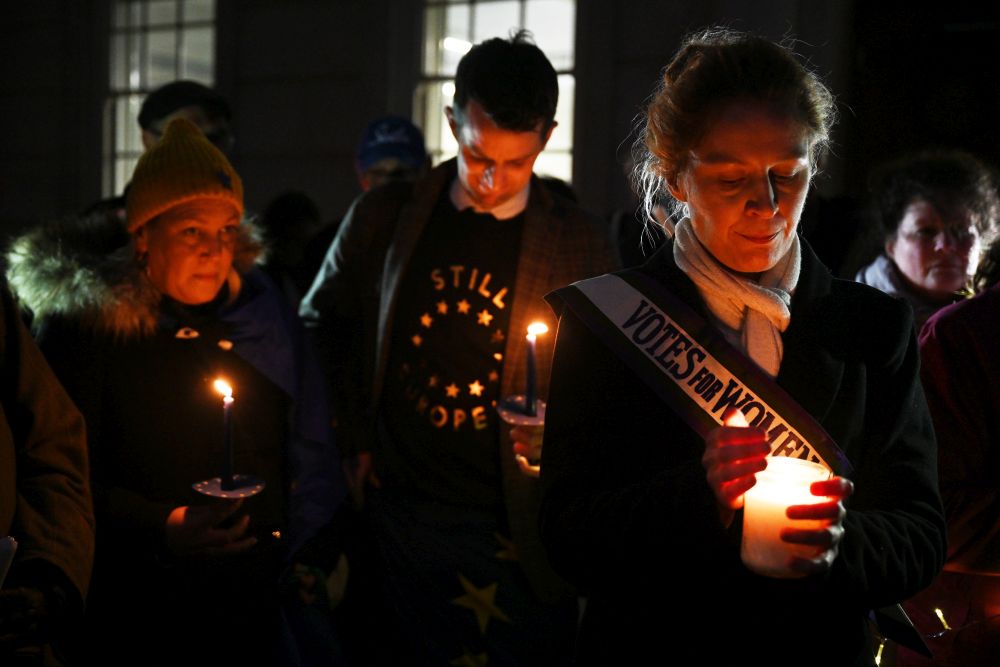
(484, 318)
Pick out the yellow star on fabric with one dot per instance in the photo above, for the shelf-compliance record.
(442, 307)
(497, 337)
(426, 320)
(469, 660)
(463, 307)
(484, 317)
(432, 381)
(417, 340)
(494, 376)
(509, 551)
(480, 601)
(476, 389)
(452, 390)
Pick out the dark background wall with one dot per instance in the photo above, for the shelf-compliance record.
(51, 85)
(304, 77)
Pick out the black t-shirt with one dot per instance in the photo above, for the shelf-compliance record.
(438, 417)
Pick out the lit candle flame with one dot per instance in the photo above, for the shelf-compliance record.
(536, 329)
(736, 418)
(224, 389)
(940, 615)
(878, 656)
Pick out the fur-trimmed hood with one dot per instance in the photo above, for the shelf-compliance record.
(86, 268)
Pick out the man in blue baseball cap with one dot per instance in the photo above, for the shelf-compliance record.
(391, 149)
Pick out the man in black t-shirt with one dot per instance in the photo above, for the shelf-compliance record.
(422, 305)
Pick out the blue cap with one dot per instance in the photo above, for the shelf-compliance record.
(391, 136)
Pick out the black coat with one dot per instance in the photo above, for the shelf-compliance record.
(154, 428)
(628, 515)
(45, 501)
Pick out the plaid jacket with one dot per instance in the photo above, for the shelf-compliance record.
(352, 304)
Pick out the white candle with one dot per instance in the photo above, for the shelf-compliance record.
(784, 483)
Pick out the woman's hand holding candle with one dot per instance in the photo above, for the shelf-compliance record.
(827, 538)
(198, 530)
(733, 453)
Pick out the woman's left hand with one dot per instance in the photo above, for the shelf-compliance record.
(827, 538)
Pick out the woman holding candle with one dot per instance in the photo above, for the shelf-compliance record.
(643, 492)
(138, 323)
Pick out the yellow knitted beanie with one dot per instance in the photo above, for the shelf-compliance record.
(181, 167)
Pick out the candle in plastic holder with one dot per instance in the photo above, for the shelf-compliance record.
(512, 414)
(785, 482)
(228, 485)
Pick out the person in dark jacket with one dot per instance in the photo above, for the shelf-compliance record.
(45, 503)
(139, 322)
(960, 611)
(642, 494)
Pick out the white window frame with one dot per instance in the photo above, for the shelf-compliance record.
(135, 24)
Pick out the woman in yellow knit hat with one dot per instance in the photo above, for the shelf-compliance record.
(184, 209)
(138, 323)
